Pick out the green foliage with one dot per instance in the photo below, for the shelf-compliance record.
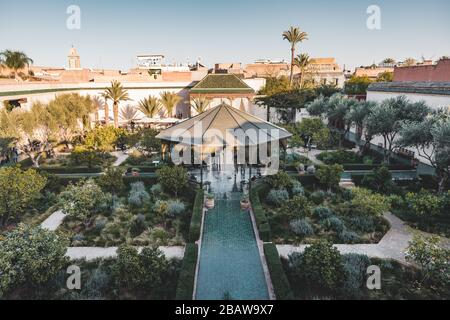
(330, 175)
(357, 85)
(298, 206)
(320, 266)
(103, 138)
(18, 190)
(81, 156)
(322, 213)
(175, 208)
(275, 85)
(379, 181)
(317, 197)
(172, 179)
(84, 200)
(277, 197)
(434, 261)
(365, 202)
(138, 195)
(424, 203)
(309, 130)
(143, 271)
(197, 214)
(30, 256)
(280, 180)
(355, 268)
(333, 223)
(278, 276)
(339, 157)
(259, 212)
(185, 288)
(301, 227)
(148, 142)
(112, 180)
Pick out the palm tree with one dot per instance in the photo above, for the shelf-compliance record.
(169, 101)
(302, 61)
(115, 93)
(15, 60)
(389, 61)
(149, 106)
(99, 104)
(200, 104)
(294, 35)
(409, 62)
(128, 114)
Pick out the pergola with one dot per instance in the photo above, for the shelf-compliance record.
(225, 129)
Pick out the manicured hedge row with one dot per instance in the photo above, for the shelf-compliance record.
(260, 215)
(358, 166)
(185, 287)
(69, 170)
(196, 220)
(143, 169)
(279, 280)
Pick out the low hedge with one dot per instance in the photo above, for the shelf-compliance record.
(148, 181)
(143, 169)
(368, 167)
(262, 222)
(279, 280)
(69, 170)
(196, 220)
(186, 279)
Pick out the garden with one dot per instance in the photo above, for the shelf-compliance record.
(298, 214)
(321, 272)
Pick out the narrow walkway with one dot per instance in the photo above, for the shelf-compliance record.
(121, 157)
(53, 221)
(92, 253)
(230, 264)
(392, 246)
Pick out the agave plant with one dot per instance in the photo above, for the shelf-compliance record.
(169, 101)
(200, 104)
(150, 106)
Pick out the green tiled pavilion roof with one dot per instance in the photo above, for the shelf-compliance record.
(214, 83)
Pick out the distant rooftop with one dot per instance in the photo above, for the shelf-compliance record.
(221, 82)
(439, 88)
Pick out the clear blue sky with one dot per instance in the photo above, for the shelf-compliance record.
(113, 32)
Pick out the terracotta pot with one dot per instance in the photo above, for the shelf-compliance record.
(245, 205)
(209, 203)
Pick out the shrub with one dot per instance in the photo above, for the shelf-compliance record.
(348, 236)
(330, 175)
(297, 188)
(277, 196)
(298, 206)
(156, 190)
(172, 179)
(320, 266)
(424, 203)
(355, 267)
(159, 236)
(138, 225)
(339, 157)
(322, 213)
(281, 180)
(279, 280)
(317, 197)
(366, 202)
(175, 208)
(185, 287)
(333, 223)
(138, 195)
(301, 227)
(362, 223)
(264, 232)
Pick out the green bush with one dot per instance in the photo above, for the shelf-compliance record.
(69, 170)
(348, 236)
(185, 287)
(258, 211)
(279, 280)
(301, 227)
(277, 196)
(355, 267)
(322, 213)
(339, 157)
(197, 214)
(264, 232)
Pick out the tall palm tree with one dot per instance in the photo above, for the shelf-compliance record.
(99, 104)
(149, 106)
(15, 60)
(200, 104)
(294, 35)
(169, 101)
(302, 61)
(116, 93)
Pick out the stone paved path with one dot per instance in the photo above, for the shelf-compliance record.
(121, 157)
(54, 221)
(92, 253)
(392, 246)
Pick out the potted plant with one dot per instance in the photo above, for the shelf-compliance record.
(209, 203)
(245, 203)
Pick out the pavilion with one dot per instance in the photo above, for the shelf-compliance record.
(223, 133)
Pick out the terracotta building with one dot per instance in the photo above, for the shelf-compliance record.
(439, 72)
